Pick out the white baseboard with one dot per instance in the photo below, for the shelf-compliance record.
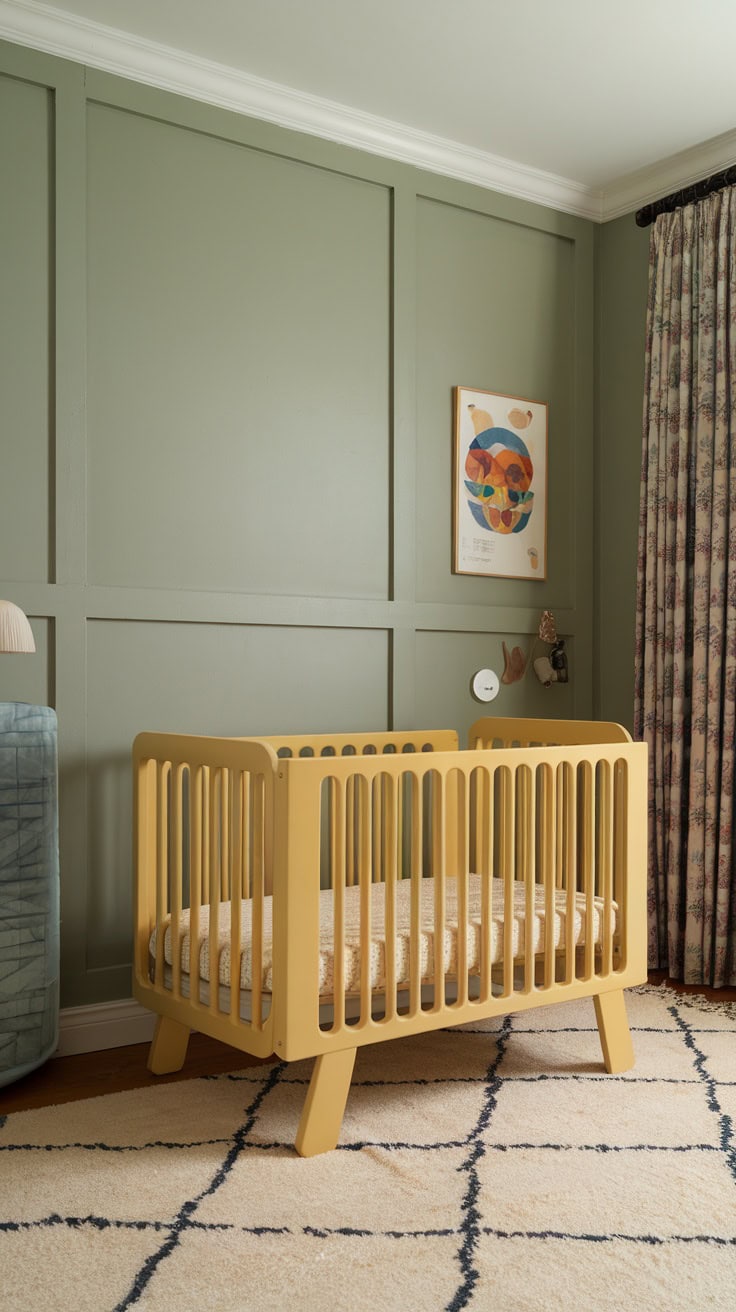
(103, 1025)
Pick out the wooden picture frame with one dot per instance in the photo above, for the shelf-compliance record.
(499, 485)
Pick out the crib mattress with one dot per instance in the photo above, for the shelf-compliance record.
(352, 952)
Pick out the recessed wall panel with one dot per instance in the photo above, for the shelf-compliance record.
(25, 181)
(238, 357)
(446, 663)
(495, 312)
(28, 676)
(204, 679)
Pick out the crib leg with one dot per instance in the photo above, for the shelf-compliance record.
(169, 1046)
(319, 1127)
(613, 1029)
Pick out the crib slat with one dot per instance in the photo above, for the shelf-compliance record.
(163, 769)
(439, 876)
(144, 813)
(569, 866)
(365, 874)
(415, 920)
(236, 905)
(587, 800)
(225, 862)
(390, 827)
(450, 780)
(507, 853)
(620, 871)
(476, 821)
(530, 875)
(560, 855)
(484, 861)
(195, 881)
(520, 826)
(337, 865)
(400, 824)
(605, 864)
(214, 880)
(560, 828)
(205, 835)
(176, 872)
(547, 857)
(258, 880)
(206, 827)
(350, 822)
(461, 794)
(245, 818)
(377, 820)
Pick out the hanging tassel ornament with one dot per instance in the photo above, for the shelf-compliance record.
(548, 628)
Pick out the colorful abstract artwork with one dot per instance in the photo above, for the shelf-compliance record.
(500, 494)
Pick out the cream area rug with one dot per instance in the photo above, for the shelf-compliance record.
(492, 1166)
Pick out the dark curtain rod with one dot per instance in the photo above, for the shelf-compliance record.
(686, 195)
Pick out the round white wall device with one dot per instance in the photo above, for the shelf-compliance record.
(485, 685)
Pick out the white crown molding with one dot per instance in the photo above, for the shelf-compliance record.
(637, 189)
(30, 23)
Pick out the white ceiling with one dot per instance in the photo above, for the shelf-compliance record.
(593, 105)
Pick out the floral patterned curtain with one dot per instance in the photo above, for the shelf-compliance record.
(686, 596)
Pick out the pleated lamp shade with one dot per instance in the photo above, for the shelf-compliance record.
(15, 631)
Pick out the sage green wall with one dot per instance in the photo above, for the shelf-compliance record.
(622, 277)
(25, 154)
(227, 442)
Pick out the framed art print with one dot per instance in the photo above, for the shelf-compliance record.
(499, 485)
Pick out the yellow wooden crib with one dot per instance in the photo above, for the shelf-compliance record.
(304, 895)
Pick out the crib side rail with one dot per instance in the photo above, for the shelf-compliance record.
(561, 830)
(203, 814)
(511, 731)
(385, 743)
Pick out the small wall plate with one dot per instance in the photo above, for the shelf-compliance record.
(485, 685)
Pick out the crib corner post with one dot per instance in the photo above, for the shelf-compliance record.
(321, 1119)
(169, 1046)
(613, 1030)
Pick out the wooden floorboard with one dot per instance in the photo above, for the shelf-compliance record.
(701, 990)
(67, 1079)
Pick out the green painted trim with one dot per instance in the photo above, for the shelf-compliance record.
(71, 510)
(403, 350)
(34, 66)
(510, 209)
(71, 332)
(402, 677)
(404, 453)
(597, 477)
(190, 607)
(583, 471)
(71, 706)
(227, 125)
